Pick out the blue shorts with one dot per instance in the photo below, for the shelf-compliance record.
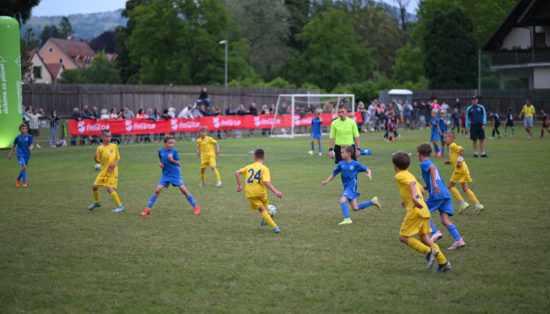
(434, 137)
(444, 205)
(23, 160)
(316, 136)
(442, 138)
(351, 195)
(166, 182)
(476, 132)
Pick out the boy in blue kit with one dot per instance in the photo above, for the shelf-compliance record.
(169, 161)
(316, 133)
(350, 169)
(440, 198)
(434, 136)
(24, 144)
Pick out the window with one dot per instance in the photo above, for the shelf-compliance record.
(37, 72)
(50, 50)
(540, 40)
(60, 60)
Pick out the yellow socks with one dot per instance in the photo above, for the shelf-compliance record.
(217, 174)
(456, 194)
(418, 246)
(472, 197)
(115, 198)
(202, 176)
(439, 257)
(96, 196)
(267, 219)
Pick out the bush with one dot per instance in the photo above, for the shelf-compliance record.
(513, 83)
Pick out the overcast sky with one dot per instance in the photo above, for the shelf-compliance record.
(64, 7)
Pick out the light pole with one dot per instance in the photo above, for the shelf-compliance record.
(224, 42)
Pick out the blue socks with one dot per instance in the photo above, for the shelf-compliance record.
(24, 173)
(191, 200)
(454, 232)
(312, 147)
(21, 172)
(152, 201)
(434, 229)
(436, 148)
(320, 150)
(345, 209)
(364, 205)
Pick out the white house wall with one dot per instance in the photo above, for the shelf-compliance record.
(541, 77)
(45, 75)
(517, 36)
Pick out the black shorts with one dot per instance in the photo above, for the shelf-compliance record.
(510, 123)
(476, 132)
(338, 155)
(34, 132)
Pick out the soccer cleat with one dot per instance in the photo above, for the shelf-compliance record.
(484, 155)
(118, 209)
(457, 245)
(430, 257)
(24, 184)
(436, 236)
(197, 210)
(476, 155)
(376, 203)
(491, 138)
(17, 183)
(346, 221)
(145, 212)
(263, 223)
(38, 146)
(94, 205)
(478, 209)
(320, 154)
(219, 183)
(463, 207)
(202, 184)
(442, 268)
(276, 229)
(439, 154)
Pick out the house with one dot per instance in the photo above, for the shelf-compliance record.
(520, 46)
(42, 72)
(71, 54)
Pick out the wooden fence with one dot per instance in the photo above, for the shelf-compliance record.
(65, 97)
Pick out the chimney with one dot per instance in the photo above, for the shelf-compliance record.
(70, 37)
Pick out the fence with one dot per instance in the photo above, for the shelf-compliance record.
(64, 97)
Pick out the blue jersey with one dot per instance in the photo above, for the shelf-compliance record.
(170, 171)
(23, 142)
(316, 126)
(434, 122)
(443, 192)
(475, 115)
(349, 173)
(443, 124)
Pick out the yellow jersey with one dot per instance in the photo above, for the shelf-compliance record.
(206, 146)
(403, 179)
(528, 110)
(106, 156)
(255, 175)
(454, 152)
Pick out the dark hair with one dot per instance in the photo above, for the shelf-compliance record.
(168, 137)
(105, 131)
(259, 153)
(401, 160)
(342, 106)
(22, 125)
(424, 149)
(347, 148)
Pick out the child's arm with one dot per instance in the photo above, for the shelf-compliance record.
(238, 174)
(328, 179)
(433, 175)
(273, 189)
(11, 151)
(161, 164)
(369, 174)
(113, 165)
(172, 160)
(95, 159)
(198, 151)
(460, 158)
(217, 149)
(412, 188)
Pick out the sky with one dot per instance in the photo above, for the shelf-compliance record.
(67, 7)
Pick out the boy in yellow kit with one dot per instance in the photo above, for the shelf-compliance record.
(207, 155)
(257, 179)
(461, 174)
(417, 220)
(107, 154)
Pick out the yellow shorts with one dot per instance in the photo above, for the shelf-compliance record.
(208, 161)
(461, 176)
(414, 225)
(256, 203)
(106, 180)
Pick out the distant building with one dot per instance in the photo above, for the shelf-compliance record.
(520, 46)
(42, 72)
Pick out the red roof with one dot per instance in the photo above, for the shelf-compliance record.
(76, 50)
(54, 68)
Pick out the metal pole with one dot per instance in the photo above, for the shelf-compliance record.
(224, 42)
(479, 72)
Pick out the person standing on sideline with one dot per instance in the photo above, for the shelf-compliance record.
(343, 131)
(528, 112)
(34, 124)
(476, 118)
(54, 122)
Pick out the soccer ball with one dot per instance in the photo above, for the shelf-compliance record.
(97, 167)
(271, 210)
(310, 152)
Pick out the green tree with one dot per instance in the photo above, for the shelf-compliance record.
(65, 28)
(48, 32)
(265, 25)
(409, 65)
(450, 58)
(176, 42)
(18, 9)
(300, 12)
(333, 52)
(100, 72)
(27, 42)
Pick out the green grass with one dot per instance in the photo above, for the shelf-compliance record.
(55, 256)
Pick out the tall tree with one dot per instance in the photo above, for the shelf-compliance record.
(265, 25)
(65, 28)
(18, 9)
(409, 65)
(300, 12)
(333, 52)
(106, 42)
(47, 32)
(100, 72)
(450, 59)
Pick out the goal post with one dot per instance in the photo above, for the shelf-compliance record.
(299, 105)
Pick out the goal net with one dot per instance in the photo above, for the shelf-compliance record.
(293, 112)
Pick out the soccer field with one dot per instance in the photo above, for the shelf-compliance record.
(56, 256)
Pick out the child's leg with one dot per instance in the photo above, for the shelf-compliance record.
(266, 217)
(312, 144)
(498, 132)
(455, 192)
(415, 244)
(319, 144)
(217, 174)
(436, 148)
(452, 229)
(470, 193)
(434, 228)
(202, 174)
(95, 190)
(154, 196)
(114, 195)
(429, 243)
(344, 206)
(363, 205)
(190, 198)
(443, 148)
